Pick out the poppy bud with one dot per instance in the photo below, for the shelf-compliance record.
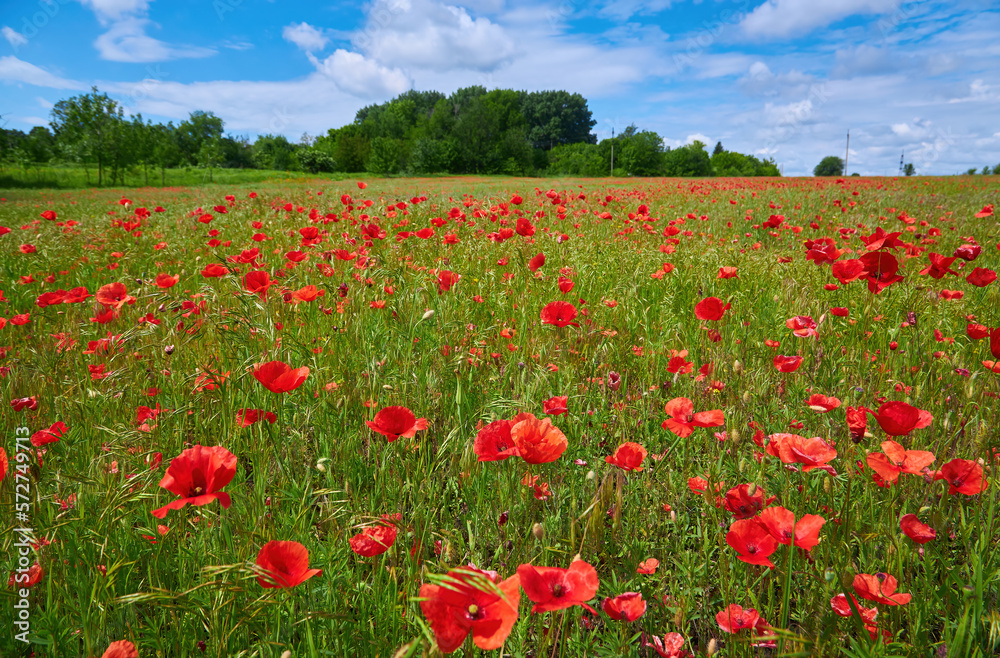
(829, 575)
(673, 516)
(713, 646)
(168, 350)
(591, 475)
(827, 485)
(162, 308)
(538, 531)
(737, 367)
(746, 397)
(428, 313)
(288, 654)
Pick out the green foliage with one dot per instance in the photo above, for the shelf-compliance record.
(909, 169)
(275, 152)
(577, 160)
(831, 165)
(730, 163)
(315, 160)
(689, 160)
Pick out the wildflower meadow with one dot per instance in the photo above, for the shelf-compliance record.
(510, 417)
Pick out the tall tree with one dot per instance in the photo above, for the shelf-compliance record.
(557, 117)
(192, 133)
(87, 125)
(831, 165)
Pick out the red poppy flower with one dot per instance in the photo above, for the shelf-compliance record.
(821, 403)
(287, 564)
(628, 457)
(915, 530)
(968, 252)
(794, 449)
(881, 270)
(940, 265)
(668, 647)
(787, 363)
(987, 211)
(257, 282)
(727, 273)
(20, 319)
(279, 377)
(553, 588)
(897, 459)
(566, 285)
(849, 270)
(981, 277)
(880, 588)
(899, 419)
(781, 524)
(683, 420)
(746, 500)
(28, 249)
(30, 404)
(840, 311)
(559, 314)
(213, 270)
(51, 435)
(536, 262)
(376, 539)
(469, 601)
(648, 566)
(994, 341)
(446, 280)
(822, 250)
(711, 309)
(197, 475)
(752, 541)
(114, 295)
(538, 441)
(167, 281)
(121, 649)
(394, 422)
(4, 464)
(524, 227)
(556, 406)
(964, 476)
(309, 293)
(49, 215)
(494, 442)
(247, 417)
(802, 326)
(624, 607)
(734, 619)
(857, 422)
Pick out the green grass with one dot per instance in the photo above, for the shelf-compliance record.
(319, 475)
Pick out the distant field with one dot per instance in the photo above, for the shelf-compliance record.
(777, 394)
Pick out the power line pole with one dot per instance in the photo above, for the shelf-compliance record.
(848, 152)
(901, 155)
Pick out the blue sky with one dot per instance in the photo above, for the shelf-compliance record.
(779, 78)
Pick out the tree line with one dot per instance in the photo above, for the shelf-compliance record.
(471, 131)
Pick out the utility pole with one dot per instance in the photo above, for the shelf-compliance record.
(901, 154)
(612, 151)
(848, 152)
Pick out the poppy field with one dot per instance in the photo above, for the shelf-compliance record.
(645, 417)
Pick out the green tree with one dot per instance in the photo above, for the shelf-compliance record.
(689, 160)
(87, 126)
(909, 169)
(831, 165)
(580, 159)
(198, 128)
(718, 149)
(315, 160)
(557, 117)
(274, 152)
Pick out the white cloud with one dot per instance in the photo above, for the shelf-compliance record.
(113, 10)
(17, 70)
(127, 41)
(305, 36)
(362, 77)
(796, 18)
(14, 38)
(430, 35)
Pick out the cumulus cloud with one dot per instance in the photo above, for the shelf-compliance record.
(362, 77)
(305, 36)
(431, 35)
(13, 37)
(796, 18)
